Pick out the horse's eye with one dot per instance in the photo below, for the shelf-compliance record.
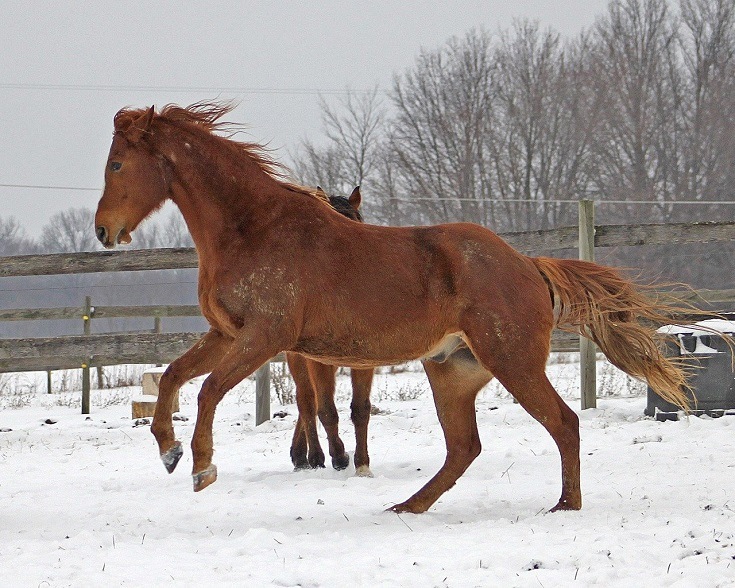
(115, 165)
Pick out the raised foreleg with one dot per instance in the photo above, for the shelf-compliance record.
(255, 344)
(199, 360)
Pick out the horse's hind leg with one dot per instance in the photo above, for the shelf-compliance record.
(455, 384)
(306, 450)
(535, 393)
(521, 368)
(362, 381)
(323, 381)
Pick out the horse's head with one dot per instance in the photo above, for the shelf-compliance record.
(136, 181)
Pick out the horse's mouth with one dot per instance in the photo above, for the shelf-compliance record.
(122, 238)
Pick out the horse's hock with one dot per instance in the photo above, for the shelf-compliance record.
(145, 405)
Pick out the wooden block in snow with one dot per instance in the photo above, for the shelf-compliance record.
(144, 406)
(151, 379)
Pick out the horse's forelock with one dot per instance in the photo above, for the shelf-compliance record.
(125, 117)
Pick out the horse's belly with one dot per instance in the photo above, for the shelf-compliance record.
(387, 350)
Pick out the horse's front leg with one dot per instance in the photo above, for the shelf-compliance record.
(247, 353)
(200, 359)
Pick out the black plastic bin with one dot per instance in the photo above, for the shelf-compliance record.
(713, 378)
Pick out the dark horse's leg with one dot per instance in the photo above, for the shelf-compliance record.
(200, 359)
(455, 384)
(305, 448)
(362, 381)
(323, 381)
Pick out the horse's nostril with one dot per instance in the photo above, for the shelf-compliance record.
(102, 234)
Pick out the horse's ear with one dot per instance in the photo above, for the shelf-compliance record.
(321, 193)
(355, 198)
(140, 125)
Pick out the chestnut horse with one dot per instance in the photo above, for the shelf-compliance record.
(280, 269)
(315, 384)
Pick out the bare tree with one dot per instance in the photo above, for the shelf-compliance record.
(707, 104)
(443, 112)
(175, 232)
(353, 130)
(13, 240)
(545, 115)
(71, 230)
(635, 57)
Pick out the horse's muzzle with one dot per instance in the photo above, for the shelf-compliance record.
(108, 240)
(102, 235)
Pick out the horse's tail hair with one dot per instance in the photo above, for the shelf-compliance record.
(620, 317)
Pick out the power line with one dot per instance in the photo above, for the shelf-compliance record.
(43, 187)
(430, 199)
(449, 199)
(554, 201)
(207, 89)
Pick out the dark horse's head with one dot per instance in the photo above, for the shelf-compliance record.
(349, 207)
(136, 179)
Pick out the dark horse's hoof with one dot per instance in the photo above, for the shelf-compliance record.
(306, 466)
(171, 457)
(340, 462)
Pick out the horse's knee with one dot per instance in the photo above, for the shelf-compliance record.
(328, 415)
(171, 378)
(360, 411)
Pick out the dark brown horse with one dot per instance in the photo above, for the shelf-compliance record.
(280, 269)
(315, 384)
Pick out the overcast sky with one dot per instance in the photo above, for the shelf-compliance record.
(67, 67)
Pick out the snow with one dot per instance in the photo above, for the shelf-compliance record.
(87, 502)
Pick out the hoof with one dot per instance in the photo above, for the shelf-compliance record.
(341, 462)
(363, 472)
(171, 457)
(316, 461)
(204, 478)
(405, 507)
(564, 505)
(306, 466)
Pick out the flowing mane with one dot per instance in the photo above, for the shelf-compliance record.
(205, 116)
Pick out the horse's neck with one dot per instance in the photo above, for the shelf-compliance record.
(227, 198)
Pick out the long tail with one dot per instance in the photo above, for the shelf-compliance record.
(620, 317)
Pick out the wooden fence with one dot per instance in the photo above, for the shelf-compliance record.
(88, 350)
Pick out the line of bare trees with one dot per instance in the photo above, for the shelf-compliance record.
(72, 230)
(510, 129)
(499, 129)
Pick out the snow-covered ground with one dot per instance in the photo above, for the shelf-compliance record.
(86, 501)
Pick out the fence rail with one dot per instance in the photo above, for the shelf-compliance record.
(112, 349)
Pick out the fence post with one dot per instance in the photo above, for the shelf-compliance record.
(86, 380)
(587, 349)
(48, 381)
(263, 393)
(157, 329)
